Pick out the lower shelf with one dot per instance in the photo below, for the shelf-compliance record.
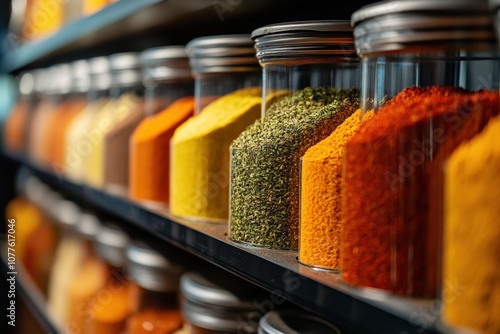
(360, 310)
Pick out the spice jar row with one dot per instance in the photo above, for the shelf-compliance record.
(350, 160)
(97, 278)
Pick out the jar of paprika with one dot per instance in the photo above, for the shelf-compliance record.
(429, 69)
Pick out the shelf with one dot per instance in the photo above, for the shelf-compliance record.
(30, 294)
(132, 25)
(360, 310)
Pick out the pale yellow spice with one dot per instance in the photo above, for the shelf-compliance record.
(102, 123)
(471, 285)
(199, 172)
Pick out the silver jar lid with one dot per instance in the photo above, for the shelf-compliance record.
(88, 226)
(66, 213)
(166, 63)
(100, 76)
(111, 243)
(423, 26)
(81, 76)
(41, 77)
(222, 54)
(294, 322)
(125, 69)
(26, 83)
(59, 80)
(217, 302)
(317, 41)
(151, 270)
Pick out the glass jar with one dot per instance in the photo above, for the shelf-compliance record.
(155, 301)
(294, 321)
(80, 138)
(167, 77)
(108, 296)
(76, 101)
(309, 68)
(428, 68)
(169, 102)
(215, 303)
(57, 80)
(15, 135)
(221, 65)
(228, 76)
(107, 163)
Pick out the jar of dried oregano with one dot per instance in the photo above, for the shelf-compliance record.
(431, 73)
(313, 69)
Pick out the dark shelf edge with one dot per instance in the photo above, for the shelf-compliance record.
(293, 282)
(31, 51)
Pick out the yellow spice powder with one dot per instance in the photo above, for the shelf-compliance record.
(320, 206)
(471, 286)
(199, 186)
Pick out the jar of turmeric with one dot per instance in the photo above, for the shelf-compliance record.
(168, 103)
(227, 100)
(430, 72)
(214, 302)
(221, 65)
(311, 80)
(155, 300)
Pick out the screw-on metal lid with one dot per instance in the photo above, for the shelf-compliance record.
(100, 75)
(81, 76)
(166, 63)
(26, 84)
(88, 226)
(222, 54)
(111, 243)
(41, 78)
(150, 269)
(217, 301)
(125, 69)
(423, 26)
(67, 213)
(58, 80)
(294, 322)
(314, 40)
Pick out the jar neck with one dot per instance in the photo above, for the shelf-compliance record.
(149, 299)
(159, 95)
(117, 91)
(279, 77)
(384, 76)
(209, 87)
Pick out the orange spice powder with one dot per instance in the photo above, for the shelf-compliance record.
(150, 152)
(14, 137)
(57, 142)
(321, 200)
(153, 321)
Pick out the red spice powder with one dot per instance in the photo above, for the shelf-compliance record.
(392, 194)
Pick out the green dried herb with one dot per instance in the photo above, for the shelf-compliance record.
(265, 164)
